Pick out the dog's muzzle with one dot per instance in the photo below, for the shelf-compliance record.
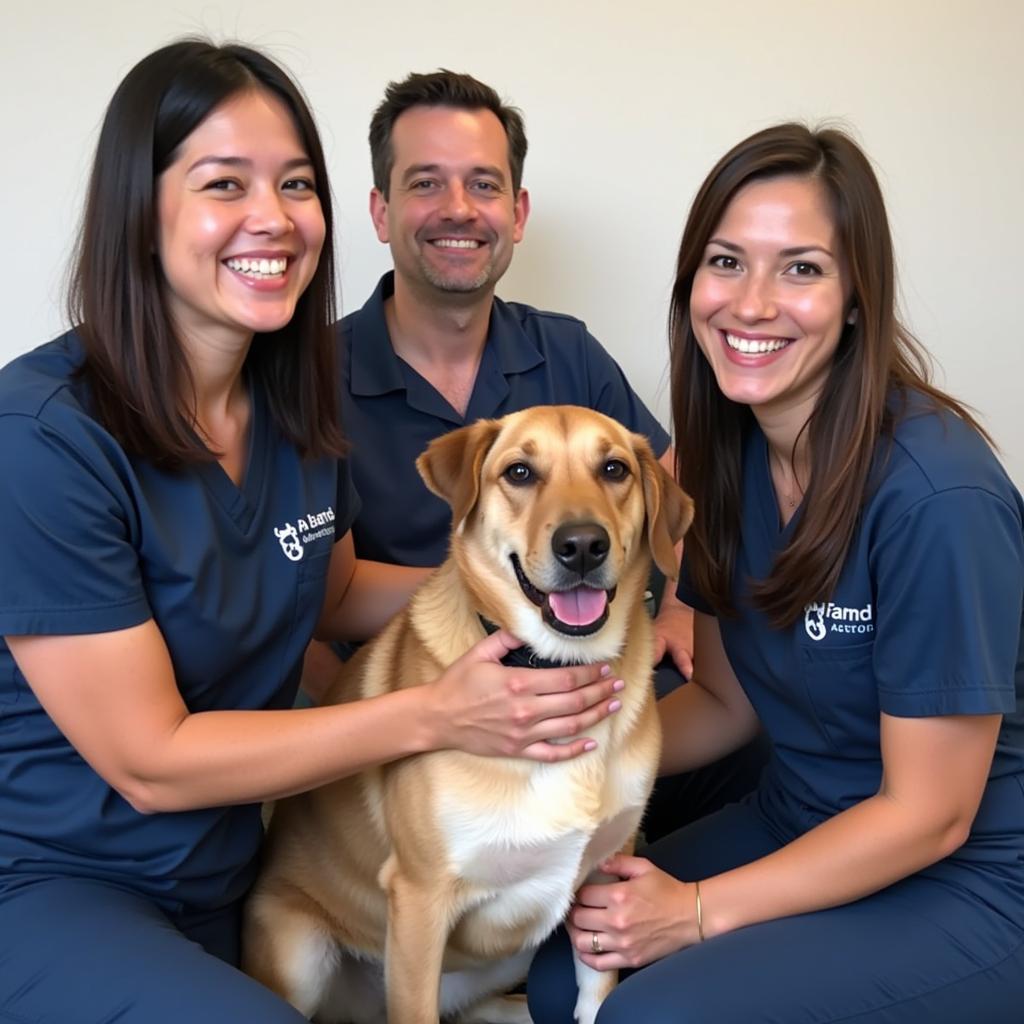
(576, 609)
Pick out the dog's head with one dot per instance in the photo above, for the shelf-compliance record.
(556, 514)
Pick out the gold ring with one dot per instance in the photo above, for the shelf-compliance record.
(595, 943)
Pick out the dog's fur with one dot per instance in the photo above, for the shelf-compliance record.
(423, 887)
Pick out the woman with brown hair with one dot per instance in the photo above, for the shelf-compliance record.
(175, 528)
(857, 566)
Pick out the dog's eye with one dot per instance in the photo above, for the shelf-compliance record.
(615, 469)
(519, 473)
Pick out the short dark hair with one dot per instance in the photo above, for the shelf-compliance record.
(441, 88)
(134, 363)
(876, 361)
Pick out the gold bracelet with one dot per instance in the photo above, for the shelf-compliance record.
(700, 914)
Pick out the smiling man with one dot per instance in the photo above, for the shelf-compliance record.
(433, 348)
(451, 206)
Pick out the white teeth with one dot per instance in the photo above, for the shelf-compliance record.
(755, 347)
(258, 269)
(457, 243)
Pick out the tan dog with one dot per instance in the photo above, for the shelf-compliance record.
(442, 873)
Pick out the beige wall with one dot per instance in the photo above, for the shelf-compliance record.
(627, 107)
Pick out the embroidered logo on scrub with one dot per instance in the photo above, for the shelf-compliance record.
(821, 618)
(294, 539)
(290, 543)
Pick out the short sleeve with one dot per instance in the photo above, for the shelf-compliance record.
(612, 395)
(686, 592)
(67, 561)
(949, 586)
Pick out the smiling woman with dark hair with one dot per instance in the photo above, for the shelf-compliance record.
(176, 527)
(135, 367)
(857, 567)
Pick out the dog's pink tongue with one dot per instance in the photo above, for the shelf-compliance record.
(579, 607)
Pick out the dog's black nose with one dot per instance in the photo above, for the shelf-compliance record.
(580, 546)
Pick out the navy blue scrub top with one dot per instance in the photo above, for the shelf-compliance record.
(95, 540)
(391, 413)
(927, 619)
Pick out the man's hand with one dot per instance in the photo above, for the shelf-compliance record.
(673, 634)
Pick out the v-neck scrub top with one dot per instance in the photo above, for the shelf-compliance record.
(926, 620)
(94, 540)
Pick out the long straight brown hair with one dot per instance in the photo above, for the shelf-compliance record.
(876, 362)
(134, 364)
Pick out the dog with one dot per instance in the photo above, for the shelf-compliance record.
(422, 888)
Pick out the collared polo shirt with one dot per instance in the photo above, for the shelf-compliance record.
(391, 413)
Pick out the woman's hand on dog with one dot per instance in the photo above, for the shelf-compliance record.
(483, 707)
(640, 916)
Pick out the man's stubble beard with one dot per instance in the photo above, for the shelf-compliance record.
(460, 285)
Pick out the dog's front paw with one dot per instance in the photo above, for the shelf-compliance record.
(586, 1008)
(594, 988)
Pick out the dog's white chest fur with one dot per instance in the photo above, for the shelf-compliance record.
(521, 860)
(513, 885)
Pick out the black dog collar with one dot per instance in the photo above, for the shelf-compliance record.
(521, 657)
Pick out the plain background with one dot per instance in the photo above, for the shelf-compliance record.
(627, 105)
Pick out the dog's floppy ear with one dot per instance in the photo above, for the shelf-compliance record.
(450, 466)
(669, 511)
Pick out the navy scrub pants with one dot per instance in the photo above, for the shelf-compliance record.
(923, 951)
(73, 951)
